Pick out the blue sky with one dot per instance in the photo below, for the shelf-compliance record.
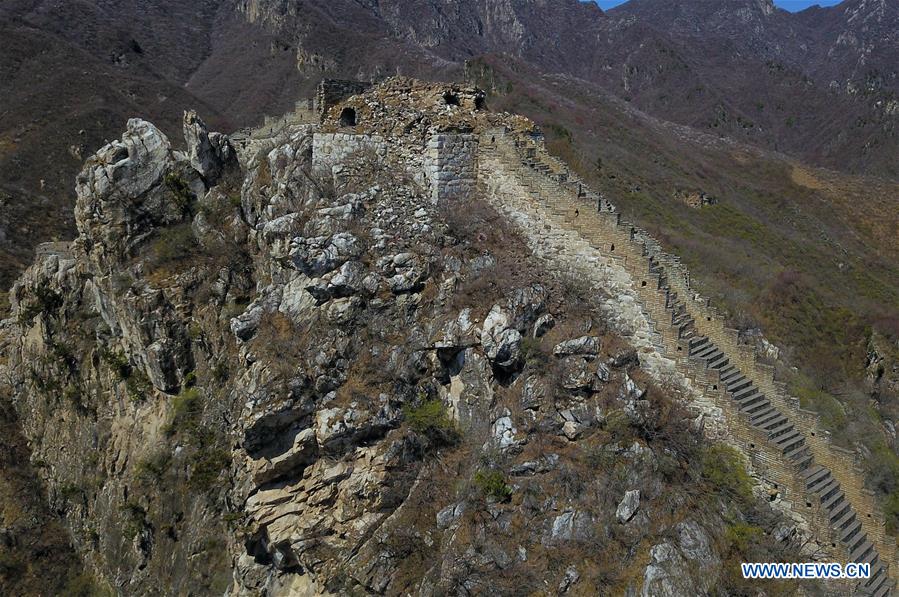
(791, 5)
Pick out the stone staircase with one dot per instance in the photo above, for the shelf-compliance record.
(779, 436)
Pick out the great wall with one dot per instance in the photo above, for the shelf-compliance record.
(646, 292)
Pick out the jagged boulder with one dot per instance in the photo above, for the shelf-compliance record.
(688, 567)
(302, 452)
(128, 188)
(319, 255)
(628, 506)
(526, 305)
(585, 345)
(502, 343)
(211, 154)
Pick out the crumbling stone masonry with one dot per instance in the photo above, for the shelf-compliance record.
(450, 166)
(329, 149)
(333, 91)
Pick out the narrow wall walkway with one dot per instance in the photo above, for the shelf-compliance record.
(647, 296)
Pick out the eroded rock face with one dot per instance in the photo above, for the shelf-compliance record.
(210, 154)
(323, 389)
(127, 188)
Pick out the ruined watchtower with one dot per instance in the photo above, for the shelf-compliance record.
(430, 130)
(333, 91)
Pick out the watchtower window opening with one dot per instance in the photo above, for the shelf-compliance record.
(348, 117)
(450, 99)
(479, 103)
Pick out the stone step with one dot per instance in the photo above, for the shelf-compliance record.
(801, 457)
(768, 416)
(713, 356)
(772, 421)
(840, 511)
(755, 407)
(781, 428)
(737, 383)
(820, 475)
(750, 399)
(789, 441)
(705, 351)
(858, 554)
(698, 343)
(678, 319)
(873, 558)
(719, 363)
(879, 584)
(745, 389)
(834, 500)
(846, 522)
(828, 492)
(856, 541)
(686, 329)
(822, 489)
(729, 374)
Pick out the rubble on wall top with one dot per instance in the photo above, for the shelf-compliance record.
(406, 106)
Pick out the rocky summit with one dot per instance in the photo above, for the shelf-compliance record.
(371, 350)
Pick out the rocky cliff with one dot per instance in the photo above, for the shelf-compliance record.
(258, 371)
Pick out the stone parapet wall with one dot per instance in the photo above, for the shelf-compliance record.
(329, 149)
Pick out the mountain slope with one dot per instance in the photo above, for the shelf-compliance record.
(816, 85)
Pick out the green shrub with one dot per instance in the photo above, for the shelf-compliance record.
(206, 465)
(84, 585)
(186, 409)
(181, 193)
(431, 420)
(71, 492)
(618, 425)
(72, 395)
(195, 331)
(44, 300)
(155, 466)
(492, 485)
(171, 246)
(138, 385)
(832, 413)
(12, 565)
(135, 520)
(118, 362)
(533, 354)
(723, 468)
(740, 537)
(220, 371)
